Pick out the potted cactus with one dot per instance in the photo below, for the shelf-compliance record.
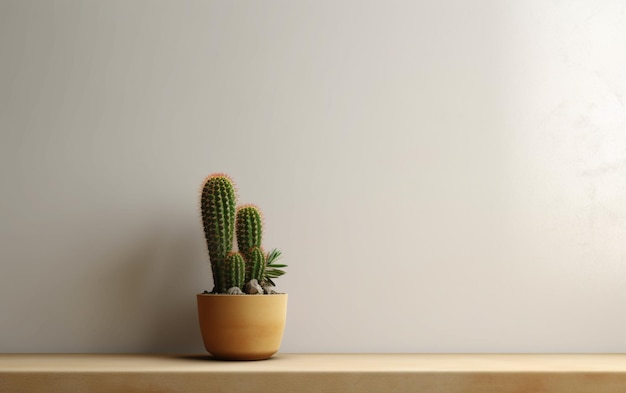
(242, 318)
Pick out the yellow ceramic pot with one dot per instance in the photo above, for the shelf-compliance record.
(242, 327)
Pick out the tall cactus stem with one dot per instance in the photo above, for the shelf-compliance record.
(218, 202)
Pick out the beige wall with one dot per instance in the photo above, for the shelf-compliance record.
(440, 176)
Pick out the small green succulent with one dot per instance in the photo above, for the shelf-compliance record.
(273, 269)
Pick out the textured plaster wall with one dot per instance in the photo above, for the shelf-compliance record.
(441, 176)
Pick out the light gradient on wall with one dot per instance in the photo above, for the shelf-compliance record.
(440, 176)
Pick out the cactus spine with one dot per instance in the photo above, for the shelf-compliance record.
(218, 216)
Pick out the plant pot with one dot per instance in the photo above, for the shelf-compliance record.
(242, 327)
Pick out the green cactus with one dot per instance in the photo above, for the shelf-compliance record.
(256, 265)
(236, 270)
(249, 229)
(218, 216)
(221, 221)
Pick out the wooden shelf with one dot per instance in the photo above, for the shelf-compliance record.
(432, 373)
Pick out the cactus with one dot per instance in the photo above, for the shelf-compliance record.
(256, 265)
(249, 229)
(218, 216)
(236, 270)
(221, 221)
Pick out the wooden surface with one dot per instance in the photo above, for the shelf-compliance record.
(431, 373)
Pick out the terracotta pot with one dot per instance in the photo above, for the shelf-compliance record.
(242, 327)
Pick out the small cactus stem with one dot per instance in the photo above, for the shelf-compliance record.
(256, 265)
(249, 230)
(217, 203)
(235, 270)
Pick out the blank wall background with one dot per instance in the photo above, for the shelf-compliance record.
(441, 176)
